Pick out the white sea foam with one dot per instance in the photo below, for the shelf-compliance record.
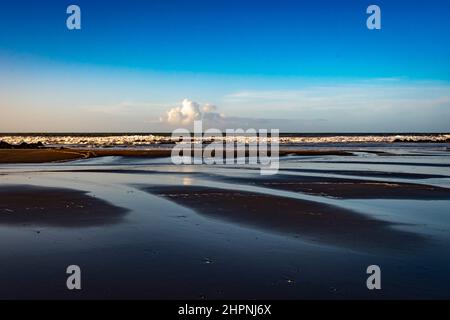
(93, 140)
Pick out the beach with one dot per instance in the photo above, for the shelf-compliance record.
(141, 227)
(225, 158)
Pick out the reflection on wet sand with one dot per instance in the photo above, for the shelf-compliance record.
(247, 236)
(43, 206)
(308, 220)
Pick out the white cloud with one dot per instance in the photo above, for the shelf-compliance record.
(189, 111)
(209, 108)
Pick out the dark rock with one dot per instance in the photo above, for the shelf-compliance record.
(5, 145)
(23, 145)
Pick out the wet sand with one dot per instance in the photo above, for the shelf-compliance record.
(390, 163)
(66, 154)
(378, 174)
(43, 206)
(149, 229)
(40, 155)
(348, 188)
(339, 188)
(309, 220)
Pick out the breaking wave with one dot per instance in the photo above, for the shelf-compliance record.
(124, 140)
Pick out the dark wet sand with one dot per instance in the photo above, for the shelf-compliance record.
(39, 155)
(378, 174)
(389, 163)
(66, 154)
(53, 155)
(42, 206)
(347, 188)
(309, 220)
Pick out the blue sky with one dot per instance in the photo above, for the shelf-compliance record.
(293, 65)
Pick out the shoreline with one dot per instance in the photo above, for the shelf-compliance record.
(48, 155)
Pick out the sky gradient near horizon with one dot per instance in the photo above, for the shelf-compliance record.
(304, 66)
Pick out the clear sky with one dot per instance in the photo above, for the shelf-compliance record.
(306, 66)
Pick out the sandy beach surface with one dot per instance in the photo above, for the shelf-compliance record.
(66, 154)
(141, 227)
